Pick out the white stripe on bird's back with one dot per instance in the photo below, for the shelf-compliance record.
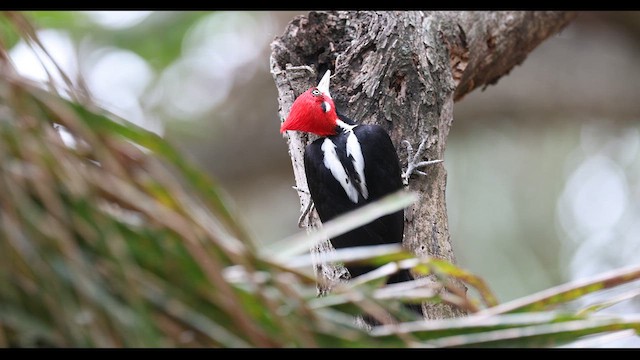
(354, 150)
(332, 162)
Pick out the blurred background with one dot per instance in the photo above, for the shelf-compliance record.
(543, 167)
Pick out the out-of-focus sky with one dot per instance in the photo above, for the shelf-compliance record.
(543, 168)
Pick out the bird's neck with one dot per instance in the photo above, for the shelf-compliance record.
(344, 124)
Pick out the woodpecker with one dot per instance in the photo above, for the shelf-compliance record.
(348, 166)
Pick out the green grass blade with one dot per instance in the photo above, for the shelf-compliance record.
(567, 292)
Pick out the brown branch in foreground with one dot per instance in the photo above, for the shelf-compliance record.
(403, 70)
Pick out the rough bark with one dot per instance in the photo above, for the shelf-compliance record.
(403, 71)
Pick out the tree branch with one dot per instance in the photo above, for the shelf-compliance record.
(489, 44)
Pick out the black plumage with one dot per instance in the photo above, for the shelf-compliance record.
(382, 176)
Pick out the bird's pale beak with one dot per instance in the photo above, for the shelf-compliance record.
(323, 85)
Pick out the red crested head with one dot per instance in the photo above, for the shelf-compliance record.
(313, 111)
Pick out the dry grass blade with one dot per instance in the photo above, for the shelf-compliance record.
(566, 292)
(600, 341)
(628, 295)
(547, 335)
(374, 254)
(444, 269)
(302, 242)
(509, 330)
(28, 32)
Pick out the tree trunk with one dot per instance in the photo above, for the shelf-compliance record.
(403, 70)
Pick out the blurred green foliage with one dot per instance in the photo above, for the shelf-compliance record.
(144, 41)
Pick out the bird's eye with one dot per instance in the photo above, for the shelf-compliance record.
(316, 92)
